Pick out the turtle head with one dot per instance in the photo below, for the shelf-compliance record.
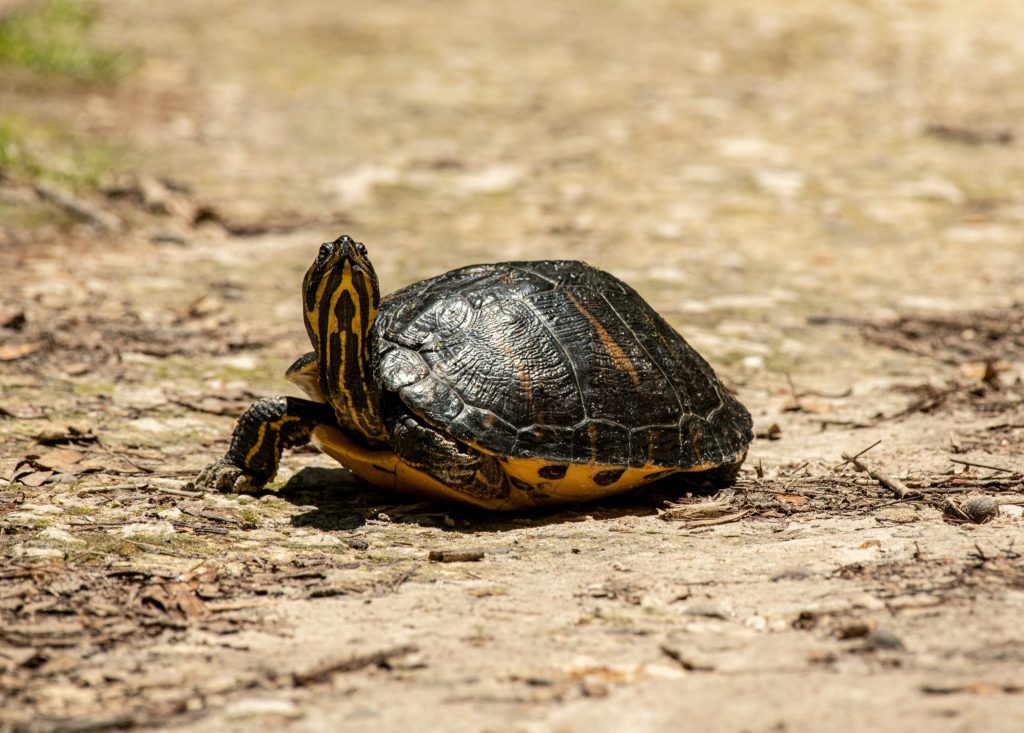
(343, 258)
(340, 296)
(340, 293)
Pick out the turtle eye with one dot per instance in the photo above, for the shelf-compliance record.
(361, 249)
(325, 251)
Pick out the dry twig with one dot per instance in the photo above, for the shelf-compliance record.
(897, 486)
(77, 207)
(735, 517)
(981, 465)
(848, 459)
(325, 671)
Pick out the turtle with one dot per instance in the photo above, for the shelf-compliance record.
(503, 385)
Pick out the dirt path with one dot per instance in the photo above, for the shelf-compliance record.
(826, 201)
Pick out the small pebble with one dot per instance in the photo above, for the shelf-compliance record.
(882, 639)
(980, 509)
(795, 573)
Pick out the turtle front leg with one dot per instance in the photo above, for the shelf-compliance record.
(460, 468)
(270, 425)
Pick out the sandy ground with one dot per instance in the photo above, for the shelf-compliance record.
(825, 199)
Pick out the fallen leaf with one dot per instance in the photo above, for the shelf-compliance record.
(59, 662)
(175, 598)
(13, 352)
(14, 320)
(604, 673)
(25, 412)
(807, 406)
(53, 435)
(797, 502)
(695, 511)
(204, 573)
(92, 465)
(10, 500)
(63, 460)
(205, 305)
(7, 468)
(34, 478)
(221, 515)
(199, 509)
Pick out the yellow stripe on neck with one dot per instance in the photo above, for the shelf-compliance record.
(351, 378)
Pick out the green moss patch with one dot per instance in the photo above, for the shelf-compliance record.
(54, 38)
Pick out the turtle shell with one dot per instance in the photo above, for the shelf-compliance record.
(555, 360)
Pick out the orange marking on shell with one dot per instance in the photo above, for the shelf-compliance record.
(614, 350)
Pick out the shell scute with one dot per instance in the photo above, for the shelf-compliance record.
(600, 442)
(654, 444)
(433, 397)
(401, 367)
(550, 441)
(507, 363)
(472, 422)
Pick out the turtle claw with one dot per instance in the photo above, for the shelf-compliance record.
(225, 477)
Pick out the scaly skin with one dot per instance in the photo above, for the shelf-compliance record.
(263, 432)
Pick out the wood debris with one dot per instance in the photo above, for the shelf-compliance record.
(78, 207)
(898, 487)
(324, 671)
(456, 555)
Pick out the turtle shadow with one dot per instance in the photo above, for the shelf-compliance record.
(338, 501)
